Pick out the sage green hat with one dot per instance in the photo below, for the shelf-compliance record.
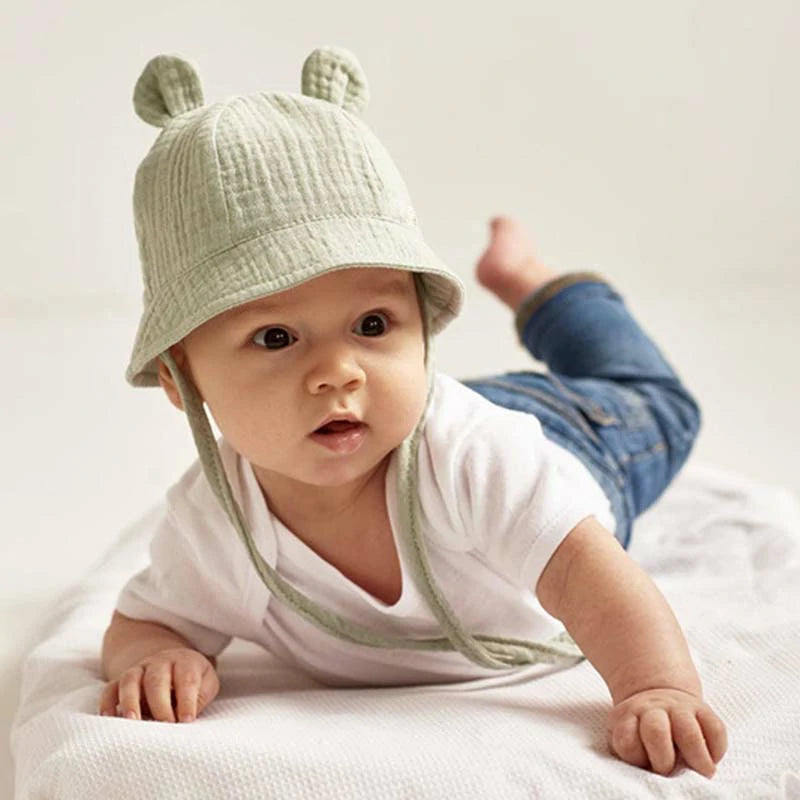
(257, 194)
(260, 192)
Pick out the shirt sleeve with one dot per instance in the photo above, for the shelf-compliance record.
(519, 500)
(178, 590)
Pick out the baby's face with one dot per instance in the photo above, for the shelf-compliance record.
(273, 369)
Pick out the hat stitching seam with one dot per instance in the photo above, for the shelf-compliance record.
(265, 234)
(219, 166)
(360, 138)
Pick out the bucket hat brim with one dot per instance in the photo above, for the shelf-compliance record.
(279, 260)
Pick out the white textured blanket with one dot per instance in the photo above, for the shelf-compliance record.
(726, 553)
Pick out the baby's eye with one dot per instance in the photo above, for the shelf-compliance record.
(273, 338)
(373, 324)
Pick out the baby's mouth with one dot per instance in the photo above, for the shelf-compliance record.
(338, 426)
(344, 437)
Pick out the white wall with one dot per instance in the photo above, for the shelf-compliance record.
(655, 142)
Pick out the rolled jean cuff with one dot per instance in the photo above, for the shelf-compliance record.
(540, 296)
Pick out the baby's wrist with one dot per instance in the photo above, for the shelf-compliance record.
(687, 683)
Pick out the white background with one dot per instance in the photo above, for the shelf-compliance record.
(656, 143)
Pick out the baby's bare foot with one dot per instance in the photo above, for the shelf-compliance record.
(509, 266)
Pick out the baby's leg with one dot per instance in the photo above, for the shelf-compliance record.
(621, 401)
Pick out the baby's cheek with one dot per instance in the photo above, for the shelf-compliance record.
(411, 388)
(242, 425)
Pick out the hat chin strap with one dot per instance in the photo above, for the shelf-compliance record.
(486, 651)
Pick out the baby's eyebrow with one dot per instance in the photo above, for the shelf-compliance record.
(392, 288)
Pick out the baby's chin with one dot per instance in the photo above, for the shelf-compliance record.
(338, 473)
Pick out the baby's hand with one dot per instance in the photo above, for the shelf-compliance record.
(180, 672)
(649, 727)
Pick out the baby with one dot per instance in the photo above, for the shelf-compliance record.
(379, 503)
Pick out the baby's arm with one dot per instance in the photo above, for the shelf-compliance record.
(624, 626)
(145, 658)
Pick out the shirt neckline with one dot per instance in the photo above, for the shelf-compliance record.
(298, 551)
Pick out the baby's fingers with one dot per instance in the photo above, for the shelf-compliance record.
(108, 699)
(625, 742)
(715, 733)
(194, 688)
(130, 693)
(688, 737)
(654, 730)
(157, 684)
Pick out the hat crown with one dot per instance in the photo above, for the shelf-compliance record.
(224, 174)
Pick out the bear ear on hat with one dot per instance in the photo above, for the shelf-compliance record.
(168, 86)
(333, 73)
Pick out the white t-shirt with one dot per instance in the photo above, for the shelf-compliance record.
(496, 499)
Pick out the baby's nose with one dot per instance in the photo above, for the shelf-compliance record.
(338, 368)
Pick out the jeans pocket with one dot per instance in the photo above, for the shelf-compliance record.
(590, 406)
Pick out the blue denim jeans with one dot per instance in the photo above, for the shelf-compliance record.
(608, 396)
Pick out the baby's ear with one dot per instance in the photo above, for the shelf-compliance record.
(165, 376)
